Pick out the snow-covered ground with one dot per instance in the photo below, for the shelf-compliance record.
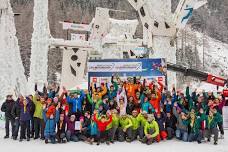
(164, 146)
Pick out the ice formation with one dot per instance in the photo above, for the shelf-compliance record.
(12, 77)
(40, 44)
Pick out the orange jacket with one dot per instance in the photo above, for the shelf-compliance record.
(156, 102)
(131, 89)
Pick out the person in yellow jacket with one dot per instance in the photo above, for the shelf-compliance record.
(113, 126)
(125, 129)
(38, 116)
(151, 130)
(98, 91)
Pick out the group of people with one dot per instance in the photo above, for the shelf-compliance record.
(116, 111)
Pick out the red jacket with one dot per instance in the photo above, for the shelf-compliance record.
(102, 126)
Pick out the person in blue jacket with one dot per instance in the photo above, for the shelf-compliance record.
(76, 102)
(93, 131)
(50, 124)
(146, 106)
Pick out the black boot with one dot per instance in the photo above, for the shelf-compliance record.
(6, 137)
(215, 143)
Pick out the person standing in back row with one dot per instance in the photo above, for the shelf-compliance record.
(7, 107)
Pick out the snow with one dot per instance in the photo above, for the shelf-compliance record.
(163, 146)
(12, 78)
(40, 45)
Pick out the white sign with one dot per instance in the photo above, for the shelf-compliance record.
(76, 27)
(77, 125)
(114, 67)
(78, 37)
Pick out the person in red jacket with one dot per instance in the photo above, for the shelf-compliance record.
(102, 125)
(156, 97)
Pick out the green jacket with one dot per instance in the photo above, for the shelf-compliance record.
(97, 104)
(212, 122)
(151, 125)
(38, 108)
(197, 124)
(136, 121)
(114, 123)
(190, 101)
(125, 123)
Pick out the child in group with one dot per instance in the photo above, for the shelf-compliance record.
(102, 124)
(151, 130)
(50, 119)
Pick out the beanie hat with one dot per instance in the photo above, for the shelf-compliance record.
(50, 111)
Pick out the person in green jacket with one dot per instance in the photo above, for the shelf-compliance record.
(95, 102)
(194, 123)
(113, 126)
(151, 130)
(136, 119)
(38, 116)
(212, 121)
(125, 129)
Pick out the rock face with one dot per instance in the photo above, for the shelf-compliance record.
(211, 20)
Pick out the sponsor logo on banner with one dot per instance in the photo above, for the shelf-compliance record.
(94, 80)
(160, 79)
(114, 66)
(78, 37)
(76, 27)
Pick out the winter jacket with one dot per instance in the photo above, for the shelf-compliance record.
(171, 122)
(16, 109)
(125, 123)
(38, 108)
(102, 125)
(93, 130)
(112, 94)
(70, 125)
(212, 122)
(161, 121)
(76, 102)
(95, 105)
(196, 126)
(146, 106)
(7, 107)
(50, 124)
(130, 107)
(61, 127)
(181, 124)
(151, 125)
(156, 102)
(101, 93)
(25, 113)
(115, 122)
(136, 121)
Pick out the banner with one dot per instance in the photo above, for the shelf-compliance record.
(78, 36)
(101, 71)
(114, 67)
(76, 27)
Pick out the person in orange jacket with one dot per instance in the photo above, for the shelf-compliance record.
(131, 87)
(156, 97)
